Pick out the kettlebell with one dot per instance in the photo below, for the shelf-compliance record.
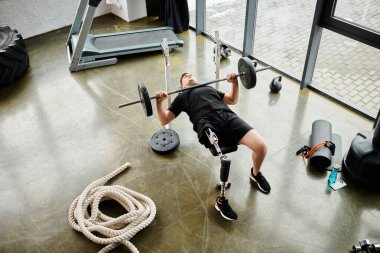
(275, 86)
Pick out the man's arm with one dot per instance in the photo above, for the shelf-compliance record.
(232, 97)
(165, 116)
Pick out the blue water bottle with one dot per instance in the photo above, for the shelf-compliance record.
(334, 173)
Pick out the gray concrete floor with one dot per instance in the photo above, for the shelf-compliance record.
(60, 131)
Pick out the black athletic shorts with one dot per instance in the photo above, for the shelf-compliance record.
(227, 126)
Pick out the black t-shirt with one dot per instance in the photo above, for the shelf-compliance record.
(198, 103)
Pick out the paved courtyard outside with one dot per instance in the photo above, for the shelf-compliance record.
(346, 68)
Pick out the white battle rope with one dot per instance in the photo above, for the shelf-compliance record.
(141, 211)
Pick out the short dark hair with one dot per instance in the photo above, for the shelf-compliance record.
(182, 75)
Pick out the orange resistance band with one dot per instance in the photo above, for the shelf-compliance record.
(307, 152)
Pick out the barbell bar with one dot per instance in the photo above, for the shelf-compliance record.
(247, 74)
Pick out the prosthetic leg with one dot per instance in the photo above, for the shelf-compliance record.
(221, 201)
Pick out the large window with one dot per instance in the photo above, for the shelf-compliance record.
(191, 5)
(363, 12)
(350, 71)
(226, 16)
(282, 33)
(338, 52)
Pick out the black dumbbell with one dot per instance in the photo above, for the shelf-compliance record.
(374, 248)
(362, 247)
(364, 244)
(225, 51)
(357, 249)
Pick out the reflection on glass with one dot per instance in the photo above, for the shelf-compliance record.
(282, 29)
(226, 16)
(363, 12)
(282, 33)
(350, 70)
(191, 5)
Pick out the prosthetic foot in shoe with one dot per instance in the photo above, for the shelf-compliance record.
(225, 209)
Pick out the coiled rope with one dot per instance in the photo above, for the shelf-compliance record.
(141, 211)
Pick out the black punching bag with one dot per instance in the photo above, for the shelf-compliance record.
(362, 161)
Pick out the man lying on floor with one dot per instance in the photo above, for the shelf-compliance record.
(208, 108)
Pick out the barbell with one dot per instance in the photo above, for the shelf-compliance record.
(247, 74)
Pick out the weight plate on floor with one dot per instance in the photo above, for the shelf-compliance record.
(164, 141)
(249, 79)
(145, 99)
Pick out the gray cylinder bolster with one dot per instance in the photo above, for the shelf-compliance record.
(321, 132)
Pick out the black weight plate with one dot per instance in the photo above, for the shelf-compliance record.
(145, 99)
(164, 141)
(249, 79)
